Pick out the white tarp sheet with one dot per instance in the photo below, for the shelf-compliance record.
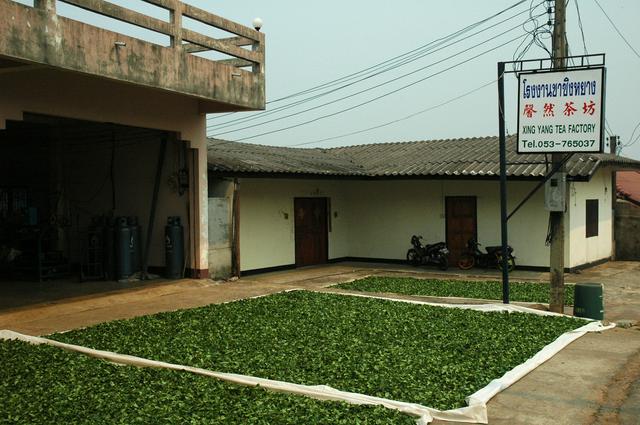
(475, 412)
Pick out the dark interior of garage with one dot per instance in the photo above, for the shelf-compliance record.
(76, 200)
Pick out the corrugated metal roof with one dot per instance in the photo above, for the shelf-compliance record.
(476, 156)
(236, 157)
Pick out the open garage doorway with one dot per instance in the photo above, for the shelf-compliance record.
(77, 200)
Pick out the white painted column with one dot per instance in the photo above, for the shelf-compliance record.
(198, 193)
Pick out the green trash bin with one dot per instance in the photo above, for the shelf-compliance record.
(588, 301)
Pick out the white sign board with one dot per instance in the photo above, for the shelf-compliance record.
(561, 111)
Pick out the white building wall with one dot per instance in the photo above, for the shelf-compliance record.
(382, 216)
(585, 250)
(267, 236)
(386, 213)
(375, 219)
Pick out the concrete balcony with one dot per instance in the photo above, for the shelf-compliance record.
(38, 37)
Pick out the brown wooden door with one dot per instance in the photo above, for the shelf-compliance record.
(462, 224)
(311, 231)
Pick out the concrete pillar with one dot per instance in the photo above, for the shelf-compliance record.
(176, 21)
(203, 209)
(199, 205)
(47, 5)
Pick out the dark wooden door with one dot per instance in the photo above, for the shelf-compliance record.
(311, 231)
(462, 224)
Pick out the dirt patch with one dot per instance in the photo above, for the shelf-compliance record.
(616, 392)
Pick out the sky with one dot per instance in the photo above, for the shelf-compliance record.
(312, 43)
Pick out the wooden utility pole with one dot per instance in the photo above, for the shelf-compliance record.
(559, 46)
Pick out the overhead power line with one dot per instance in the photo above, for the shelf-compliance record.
(422, 52)
(386, 62)
(617, 30)
(450, 36)
(536, 33)
(375, 86)
(633, 139)
(607, 129)
(261, 115)
(407, 117)
(584, 43)
(633, 133)
(383, 95)
(631, 142)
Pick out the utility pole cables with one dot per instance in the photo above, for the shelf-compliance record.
(559, 46)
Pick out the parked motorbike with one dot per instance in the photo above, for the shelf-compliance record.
(491, 258)
(436, 253)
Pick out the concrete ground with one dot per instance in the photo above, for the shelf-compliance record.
(595, 380)
(19, 293)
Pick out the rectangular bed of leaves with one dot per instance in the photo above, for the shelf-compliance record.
(489, 290)
(434, 356)
(47, 385)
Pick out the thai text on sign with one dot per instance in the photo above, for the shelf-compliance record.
(560, 111)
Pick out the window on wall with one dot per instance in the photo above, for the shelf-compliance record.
(592, 218)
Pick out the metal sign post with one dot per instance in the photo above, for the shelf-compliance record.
(503, 185)
(578, 90)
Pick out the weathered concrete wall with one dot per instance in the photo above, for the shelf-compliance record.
(627, 231)
(31, 35)
(220, 188)
(220, 237)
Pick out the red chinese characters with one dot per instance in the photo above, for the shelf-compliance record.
(528, 110)
(589, 108)
(549, 109)
(569, 109)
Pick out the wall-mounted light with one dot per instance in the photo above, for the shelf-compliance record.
(257, 24)
(120, 44)
(236, 74)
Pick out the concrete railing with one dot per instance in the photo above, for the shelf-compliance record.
(187, 40)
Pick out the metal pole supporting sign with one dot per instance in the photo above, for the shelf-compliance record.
(503, 186)
(533, 69)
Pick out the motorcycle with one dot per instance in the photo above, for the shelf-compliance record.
(436, 253)
(492, 258)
